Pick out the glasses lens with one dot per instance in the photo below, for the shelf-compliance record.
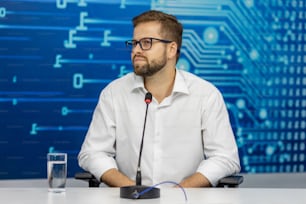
(146, 43)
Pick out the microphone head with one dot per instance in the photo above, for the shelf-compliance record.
(148, 98)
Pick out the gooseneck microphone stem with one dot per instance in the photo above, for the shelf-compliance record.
(148, 100)
(139, 191)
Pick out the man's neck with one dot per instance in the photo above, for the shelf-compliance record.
(161, 84)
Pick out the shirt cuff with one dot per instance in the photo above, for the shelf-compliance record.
(98, 166)
(214, 172)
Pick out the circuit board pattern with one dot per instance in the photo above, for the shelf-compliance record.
(57, 55)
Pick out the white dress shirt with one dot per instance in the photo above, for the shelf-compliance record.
(187, 132)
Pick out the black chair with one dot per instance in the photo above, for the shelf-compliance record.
(232, 181)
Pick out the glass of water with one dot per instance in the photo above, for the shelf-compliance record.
(57, 171)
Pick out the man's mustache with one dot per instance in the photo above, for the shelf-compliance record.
(140, 56)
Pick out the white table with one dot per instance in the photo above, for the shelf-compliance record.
(168, 196)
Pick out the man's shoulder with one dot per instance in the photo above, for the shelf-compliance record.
(122, 81)
(195, 80)
(199, 86)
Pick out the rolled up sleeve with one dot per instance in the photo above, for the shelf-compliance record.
(220, 149)
(98, 149)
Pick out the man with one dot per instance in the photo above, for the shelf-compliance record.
(188, 138)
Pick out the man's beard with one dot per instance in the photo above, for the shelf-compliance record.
(149, 69)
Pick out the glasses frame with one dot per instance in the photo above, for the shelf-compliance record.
(134, 43)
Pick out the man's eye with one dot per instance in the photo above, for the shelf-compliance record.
(146, 42)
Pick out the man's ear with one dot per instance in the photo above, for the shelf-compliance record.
(172, 50)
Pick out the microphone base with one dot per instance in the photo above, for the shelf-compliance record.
(132, 192)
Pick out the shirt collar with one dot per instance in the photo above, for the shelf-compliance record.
(138, 82)
(180, 85)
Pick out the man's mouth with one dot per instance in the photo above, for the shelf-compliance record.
(139, 58)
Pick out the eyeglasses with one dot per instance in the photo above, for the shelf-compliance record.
(144, 43)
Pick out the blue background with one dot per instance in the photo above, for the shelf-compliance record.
(57, 55)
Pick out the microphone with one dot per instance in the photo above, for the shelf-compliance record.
(139, 191)
(148, 100)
